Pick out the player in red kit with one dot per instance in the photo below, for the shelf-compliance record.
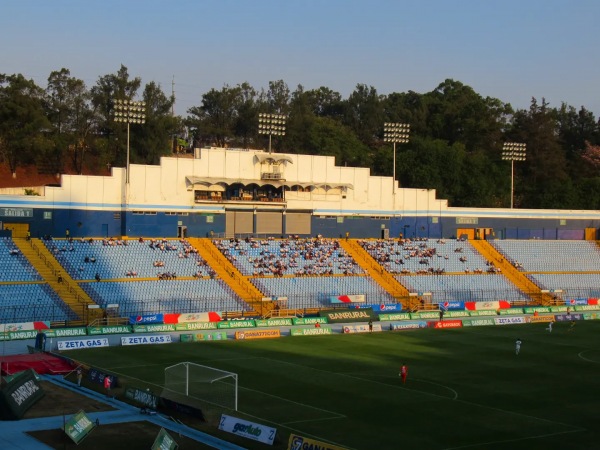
(403, 372)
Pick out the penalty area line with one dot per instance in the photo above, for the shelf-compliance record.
(505, 441)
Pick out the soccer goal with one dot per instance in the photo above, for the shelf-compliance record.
(207, 384)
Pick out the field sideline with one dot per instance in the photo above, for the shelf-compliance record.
(466, 388)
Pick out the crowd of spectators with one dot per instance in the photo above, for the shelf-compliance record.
(293, 256)
(424, 256)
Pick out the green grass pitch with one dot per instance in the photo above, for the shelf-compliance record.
(466, 388)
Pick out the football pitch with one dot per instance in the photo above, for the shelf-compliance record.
(466, 388)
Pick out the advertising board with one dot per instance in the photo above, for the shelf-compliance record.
(250, 430)
(143, 340)
(77, 344)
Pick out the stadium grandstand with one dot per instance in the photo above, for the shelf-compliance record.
(242, 233)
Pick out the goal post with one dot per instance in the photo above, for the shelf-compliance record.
(207, 384)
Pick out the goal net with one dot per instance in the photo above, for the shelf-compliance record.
(211, 386)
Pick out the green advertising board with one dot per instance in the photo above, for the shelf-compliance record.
(511, 311)
(448, 314)
(115, 329)
(587, 308)
(25, 334)
(142, 396)
(229, 324)
(193, 326)
(164, 441)
(486, 321)
(154, 328)
(20, 394)
(279, 322)
(210, 336)
(65, 332)
(559, 309)
(308, 320)
(349, 315)
(78, 427)
(396, 316)
(539, 309)
(483, 312)
(311, 331)
(425, 315)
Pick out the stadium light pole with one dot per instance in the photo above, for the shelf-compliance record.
(271, 124)
(513, 151)
(128, 111)
(396, 133)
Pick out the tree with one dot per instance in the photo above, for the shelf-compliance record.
(22, 120)
(364, 114)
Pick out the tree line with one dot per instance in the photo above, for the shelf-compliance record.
(455, 145)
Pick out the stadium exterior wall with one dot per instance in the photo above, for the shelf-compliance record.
(160, 202)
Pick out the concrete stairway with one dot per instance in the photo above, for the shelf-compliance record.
(239, 283)
(509, 271)
(50, 269)
(379, 274)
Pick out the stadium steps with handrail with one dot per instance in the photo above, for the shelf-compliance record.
(231, 275)
(509, 271)
(50, 269)
(377, 272)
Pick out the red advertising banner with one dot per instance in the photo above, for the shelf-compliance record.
(445, 324)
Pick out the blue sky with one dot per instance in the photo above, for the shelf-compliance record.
(512, 50)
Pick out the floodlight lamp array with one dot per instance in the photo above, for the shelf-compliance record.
(396, 132)
(271, 124)
(514, 151)
(128, 111)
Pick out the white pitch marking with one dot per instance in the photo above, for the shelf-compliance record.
(515, 440)
(580, 354)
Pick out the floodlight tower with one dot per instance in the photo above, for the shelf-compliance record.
(513, 151)
(127, 111)
(396, 133)
(271, 124)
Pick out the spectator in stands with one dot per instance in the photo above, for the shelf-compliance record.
(97, 277)
(67, 234)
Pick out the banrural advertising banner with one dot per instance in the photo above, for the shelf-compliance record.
(478, 322)
(25, 334)
(536, 309)
(191, 326)
(154, 328)
(250, 430)
(509, 320)
(337, 299)
(457, 313)
(311, 331)
(397, 316)
(78, 427)
(587, 308)
(115, 329)
(143, 340)
(77, 344)
(63, 332)
(556, 309)
(486, 312)
(297, 442)
(361, 328)
(425, 315)
(282, 322)
(147, 318)
(229, 324)
(407, 326)
(142, 396)
(308, 320)
(345, 315)
(20, 394)
(257, 334)
(511, 311)
(211, 336)
(164, 441)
